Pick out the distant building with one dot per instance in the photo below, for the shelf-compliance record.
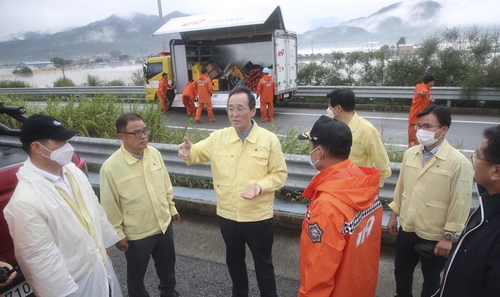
(37, 66)
(405, 49)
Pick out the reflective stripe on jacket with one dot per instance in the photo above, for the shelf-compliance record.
(341, 233)
(203, 88)
(266, 88)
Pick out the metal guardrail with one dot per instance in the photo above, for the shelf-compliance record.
(133, 90)
(440, 93)
(300, 172)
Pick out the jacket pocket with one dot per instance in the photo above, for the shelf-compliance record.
(137, 220)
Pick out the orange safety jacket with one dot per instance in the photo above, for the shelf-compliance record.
(203, 88)
(189, 90)
(341, 233)
(266, 88)
(421, 99)
(163, 87)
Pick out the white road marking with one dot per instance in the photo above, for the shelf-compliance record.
(390, 118)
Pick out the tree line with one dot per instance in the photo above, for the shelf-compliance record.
(457, 58)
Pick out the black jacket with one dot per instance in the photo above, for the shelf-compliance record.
(474, 269)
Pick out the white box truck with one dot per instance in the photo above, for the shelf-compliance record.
(230, 45)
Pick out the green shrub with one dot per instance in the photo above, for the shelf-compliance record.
(64, 82)
(13, 84)
(93, 81)
(24, 72)
(116, 83)
(137, 78)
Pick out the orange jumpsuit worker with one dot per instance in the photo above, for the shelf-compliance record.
(265, 90)
(421, 99)
(188, 98)
(204, 89)
(161, 92)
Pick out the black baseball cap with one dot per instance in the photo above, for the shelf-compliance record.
(329, 132)
(40, 126)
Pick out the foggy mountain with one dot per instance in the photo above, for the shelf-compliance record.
(414, 20)
(130, 36)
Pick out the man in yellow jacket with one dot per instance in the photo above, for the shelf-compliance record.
(432, 199)
(247, 168)
(342, 227)
(136, 194)
(367, 147)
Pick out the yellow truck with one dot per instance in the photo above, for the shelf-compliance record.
(229, 46)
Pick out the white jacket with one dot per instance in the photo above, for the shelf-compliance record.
(56, 254)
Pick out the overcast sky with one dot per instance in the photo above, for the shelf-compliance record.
(51, 16)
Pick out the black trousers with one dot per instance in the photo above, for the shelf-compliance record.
(406, 260)
(161, 247)
(259, 237)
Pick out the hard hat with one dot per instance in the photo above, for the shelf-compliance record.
(265, 70)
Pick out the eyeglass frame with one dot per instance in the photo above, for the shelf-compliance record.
(139, 133)
(418, 127)
(474, 156)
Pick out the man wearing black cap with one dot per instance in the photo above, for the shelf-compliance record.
(59, 229)
(342, 227)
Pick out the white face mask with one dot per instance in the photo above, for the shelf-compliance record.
(313, 164)
(427, 137)
(329, 113)
(61, 155)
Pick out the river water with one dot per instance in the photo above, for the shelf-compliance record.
(76, 74)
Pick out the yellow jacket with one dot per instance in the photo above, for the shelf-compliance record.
(137, 196)
(237, 165)
(436, 197)
(367, 147)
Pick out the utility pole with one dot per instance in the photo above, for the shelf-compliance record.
(160, 13)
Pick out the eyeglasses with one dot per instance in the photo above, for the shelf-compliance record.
(474, 157)
(425, 126)
(138, 133)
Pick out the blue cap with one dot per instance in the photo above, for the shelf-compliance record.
(265, 70)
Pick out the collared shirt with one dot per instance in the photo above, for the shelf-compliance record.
(134, 155)
(243, 136)
(137, 196)
(367, 149)
(61, 182)
(437, 197)
(429, 154)
(236, 165)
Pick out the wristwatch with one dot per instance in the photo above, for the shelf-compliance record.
(449, 235)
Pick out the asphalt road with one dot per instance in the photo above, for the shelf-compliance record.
(201, 269)
(465, 132)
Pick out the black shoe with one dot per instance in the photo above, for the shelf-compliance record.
(175, 294)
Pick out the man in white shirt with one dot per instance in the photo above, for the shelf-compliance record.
(60, 231)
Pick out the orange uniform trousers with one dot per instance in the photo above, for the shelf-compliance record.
(269, 113)
(210, 111)
(188, 102)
